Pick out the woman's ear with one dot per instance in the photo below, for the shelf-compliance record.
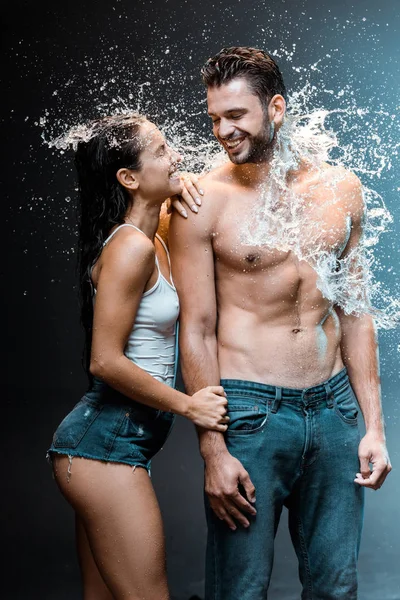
(127, 179)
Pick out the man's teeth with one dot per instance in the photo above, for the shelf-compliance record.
(234, 144)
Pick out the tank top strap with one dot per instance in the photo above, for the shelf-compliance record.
(166, 250)
(106, 242)
(118, 228)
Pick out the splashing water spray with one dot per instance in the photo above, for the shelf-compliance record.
(347, 280)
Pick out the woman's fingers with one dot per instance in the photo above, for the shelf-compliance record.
(189, 195)
(218, 390)
(195, 182)
(178, 206)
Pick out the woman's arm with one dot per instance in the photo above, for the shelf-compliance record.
(126, 266)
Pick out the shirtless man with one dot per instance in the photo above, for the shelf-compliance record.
(253, 319)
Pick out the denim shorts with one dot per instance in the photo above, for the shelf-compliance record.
(107, 426)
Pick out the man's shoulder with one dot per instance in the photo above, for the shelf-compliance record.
(218, 189)
(347, 189)
(339, 185)
(339, 175)
(219, 180)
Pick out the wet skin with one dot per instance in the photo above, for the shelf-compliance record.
(271, 315)
(270, 295)
(119, 529)
(255, 312)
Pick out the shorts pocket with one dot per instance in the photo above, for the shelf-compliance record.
(148, 422)
(247, 415)
(143, 417)
(148, 430)
(346, 406)
(76, 424)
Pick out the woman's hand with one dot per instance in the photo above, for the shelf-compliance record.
(207, 408)
(190, 196)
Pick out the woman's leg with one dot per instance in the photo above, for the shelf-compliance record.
(120, 515)
(94, 587)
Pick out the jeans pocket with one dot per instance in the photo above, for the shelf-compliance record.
(346, 406)
(246, 416)
(76, 424)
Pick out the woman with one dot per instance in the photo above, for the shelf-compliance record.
(101, 452)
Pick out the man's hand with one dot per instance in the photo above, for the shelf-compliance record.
(190, 195)
(372, 450)
(223, 474)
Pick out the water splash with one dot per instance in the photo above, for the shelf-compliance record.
(286, 221)
(343, 134)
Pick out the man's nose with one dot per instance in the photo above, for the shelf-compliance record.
(226, 129)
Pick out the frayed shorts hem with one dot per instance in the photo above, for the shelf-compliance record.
(74, 454)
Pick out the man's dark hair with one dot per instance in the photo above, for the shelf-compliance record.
(256, 66)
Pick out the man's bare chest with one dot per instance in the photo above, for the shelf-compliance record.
(248, 239)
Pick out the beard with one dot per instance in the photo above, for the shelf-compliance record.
(260, 147)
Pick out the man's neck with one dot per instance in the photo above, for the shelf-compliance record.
(251, 174)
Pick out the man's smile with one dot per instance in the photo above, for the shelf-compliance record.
(233, 144)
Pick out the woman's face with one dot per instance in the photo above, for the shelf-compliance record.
(158, 177)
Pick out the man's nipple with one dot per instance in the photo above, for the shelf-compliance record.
(250, 258)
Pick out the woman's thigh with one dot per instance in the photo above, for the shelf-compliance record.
(94, 587)
(119, 511)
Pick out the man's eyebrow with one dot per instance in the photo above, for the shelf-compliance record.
(231, 110)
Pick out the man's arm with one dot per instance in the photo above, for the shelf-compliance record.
(359, 348)
(190, 241)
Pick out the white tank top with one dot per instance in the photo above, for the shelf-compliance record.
(152, 342)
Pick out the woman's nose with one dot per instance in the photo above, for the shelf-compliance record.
(174, 154)
(178, 157)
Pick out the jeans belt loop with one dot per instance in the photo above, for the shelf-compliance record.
(329, 395)
(277, 400)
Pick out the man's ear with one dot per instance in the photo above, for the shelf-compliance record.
(277, 109)
(127, 179)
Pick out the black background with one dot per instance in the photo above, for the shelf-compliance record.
(56, 57)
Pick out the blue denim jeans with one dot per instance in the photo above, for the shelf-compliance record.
(300, 449)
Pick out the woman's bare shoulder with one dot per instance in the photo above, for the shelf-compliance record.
(129, 255)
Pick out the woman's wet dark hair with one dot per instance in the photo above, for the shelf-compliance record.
(113, 143)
